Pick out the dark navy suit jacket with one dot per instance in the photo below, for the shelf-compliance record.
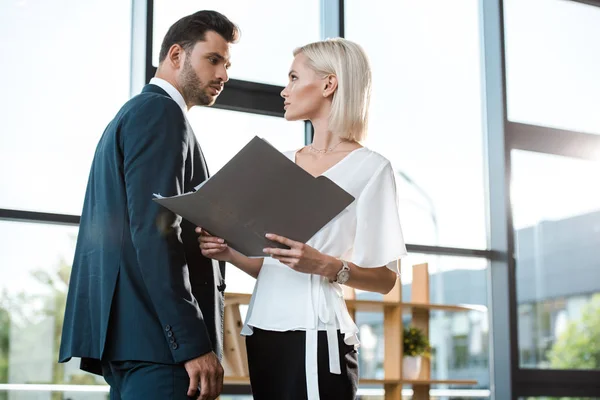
(140, 288)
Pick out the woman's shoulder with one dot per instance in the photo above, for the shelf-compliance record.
(373, 160)
(364, 169)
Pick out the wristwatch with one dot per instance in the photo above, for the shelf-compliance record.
(343, 274)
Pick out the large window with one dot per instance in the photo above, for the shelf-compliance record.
(426, 113)
(548, 228)
(557, 243)
(552, 63)
(33, 289)
(63, 82)
(271, 30)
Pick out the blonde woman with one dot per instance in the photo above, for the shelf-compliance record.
(301, 340)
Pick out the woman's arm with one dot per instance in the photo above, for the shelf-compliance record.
(251, 266)
(304, 258)
(380, 279)
(214, 247)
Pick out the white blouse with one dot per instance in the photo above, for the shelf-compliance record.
(367, 233)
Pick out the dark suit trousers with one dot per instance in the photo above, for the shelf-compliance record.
(134, 380)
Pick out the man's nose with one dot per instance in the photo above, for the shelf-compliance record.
(222, 75)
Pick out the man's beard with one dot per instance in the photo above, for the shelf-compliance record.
(194, 90)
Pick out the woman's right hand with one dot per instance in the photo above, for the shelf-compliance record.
(214, 247)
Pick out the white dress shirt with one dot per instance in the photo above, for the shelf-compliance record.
(367, 233)
(171, 91)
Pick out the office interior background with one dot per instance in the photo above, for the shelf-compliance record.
(488, 109)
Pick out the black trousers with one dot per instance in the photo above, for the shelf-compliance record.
(277, 365)
(134, 380)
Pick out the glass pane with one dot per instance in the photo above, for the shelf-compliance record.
(552, 63)
(271, 30)
(35, 265)
(459, 339)
(222, 134)
(556, 211)
(67, 80)
(426, 112)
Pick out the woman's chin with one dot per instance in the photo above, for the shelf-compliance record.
(290, 117)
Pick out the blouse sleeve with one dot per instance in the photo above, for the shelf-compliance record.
(379, 240)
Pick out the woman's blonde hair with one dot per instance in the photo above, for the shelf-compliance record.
(349, 63)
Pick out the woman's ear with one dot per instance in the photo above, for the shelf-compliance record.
(330, 85)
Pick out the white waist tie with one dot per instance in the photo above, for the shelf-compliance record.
(330, 298)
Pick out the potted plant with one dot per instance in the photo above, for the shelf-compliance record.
(416, 346)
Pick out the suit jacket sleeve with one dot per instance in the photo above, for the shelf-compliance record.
(154, 141)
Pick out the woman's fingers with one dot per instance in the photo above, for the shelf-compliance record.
(274, 251)
(202, 231)
(210, 252)
(210, 239)
(209, 246)
(282, 240)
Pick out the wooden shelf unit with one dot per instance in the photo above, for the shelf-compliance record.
(392, 307)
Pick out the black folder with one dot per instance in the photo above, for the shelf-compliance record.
(260, 191)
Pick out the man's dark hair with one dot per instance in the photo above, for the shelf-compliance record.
(191, 29)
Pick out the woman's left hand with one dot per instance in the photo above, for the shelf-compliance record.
(300, 257)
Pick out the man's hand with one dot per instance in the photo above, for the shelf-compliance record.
(207, 371)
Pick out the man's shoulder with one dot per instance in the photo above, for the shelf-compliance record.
(150, 106)
(152, 100)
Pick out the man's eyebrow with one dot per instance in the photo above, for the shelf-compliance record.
(219, 57)
(216, 55)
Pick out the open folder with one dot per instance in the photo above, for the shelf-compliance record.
(260, 191)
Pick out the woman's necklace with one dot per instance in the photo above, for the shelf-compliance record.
(323, 151)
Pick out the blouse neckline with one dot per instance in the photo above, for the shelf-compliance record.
(334, 165)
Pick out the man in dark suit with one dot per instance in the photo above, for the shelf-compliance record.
(145, 308)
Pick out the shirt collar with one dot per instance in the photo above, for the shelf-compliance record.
(171, 91)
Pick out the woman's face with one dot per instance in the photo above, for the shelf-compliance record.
(303, 95)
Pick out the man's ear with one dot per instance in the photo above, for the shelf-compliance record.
(330, 86)
(176, 56)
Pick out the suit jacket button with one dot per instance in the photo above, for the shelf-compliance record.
(172, 340)
(174, 346)
(168, 328)
(169, 333)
